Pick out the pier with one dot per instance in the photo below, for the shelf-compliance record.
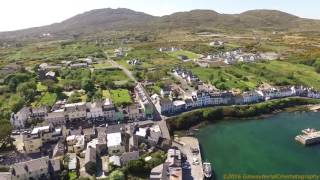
(191, 148)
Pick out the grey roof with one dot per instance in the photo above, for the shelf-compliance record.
(30, 166)
(166, 88)
(55, 115)
(101, 130)
(58, 150)
(24, 110)
(89, 131)
(115, 128)
(80, 107)
(155, 136)
(42, 109)
(128, 156)
(165, 101)
(188, 101)
(91, 155)
(75, 132)
(159, 172)
(55, 165)
(95, 105)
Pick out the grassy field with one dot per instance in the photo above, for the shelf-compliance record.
(48, 99)
(54, 51)
(189, 54)
(41, 87)
(250, 76)
(110, 74)
(119, 96)
(102, 65)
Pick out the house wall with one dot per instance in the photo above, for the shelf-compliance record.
(116, 150)
(32, 145)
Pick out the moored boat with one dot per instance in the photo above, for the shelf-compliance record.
(207, 170)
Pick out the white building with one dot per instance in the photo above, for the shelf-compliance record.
(251, 97)
(115, 144)
(275, 93)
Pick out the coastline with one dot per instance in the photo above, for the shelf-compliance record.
(263, 116)
(199, 118)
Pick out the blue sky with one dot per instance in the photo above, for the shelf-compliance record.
(17, 14)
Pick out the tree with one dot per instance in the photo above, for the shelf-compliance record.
(87, 85)
(136, 166)
(27, 90)
(75, 97)
(317, 68)
(117, 175)
(5, 132)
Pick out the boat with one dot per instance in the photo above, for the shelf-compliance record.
(207, 170)
(310, 136)
(308, 131)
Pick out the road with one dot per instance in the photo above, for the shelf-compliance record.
(125, 70)
(157, 115)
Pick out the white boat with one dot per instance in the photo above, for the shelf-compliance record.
(207, 170)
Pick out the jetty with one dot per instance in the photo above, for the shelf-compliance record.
(308, 137)
(191, 148)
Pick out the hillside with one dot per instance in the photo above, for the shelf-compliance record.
(124, 19)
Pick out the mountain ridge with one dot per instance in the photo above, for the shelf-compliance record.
(123, 19)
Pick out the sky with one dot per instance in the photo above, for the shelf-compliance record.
(19, 14)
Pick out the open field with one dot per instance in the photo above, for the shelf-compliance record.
(47, 99)
(103, 65)
(119, 96)
(249, 76)
(189, 54)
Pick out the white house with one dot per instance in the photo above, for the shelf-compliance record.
(251, 97)
(115, 144)
(274, 93)
(166, 91)
(313, 94)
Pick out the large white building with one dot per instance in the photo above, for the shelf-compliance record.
(115, 144)
(277, 92)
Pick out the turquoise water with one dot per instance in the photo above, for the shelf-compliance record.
(261, 146)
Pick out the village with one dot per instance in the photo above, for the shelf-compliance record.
(173, 99)
(122, 127)
(234, 56)
(85, 139)
(89, 138)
